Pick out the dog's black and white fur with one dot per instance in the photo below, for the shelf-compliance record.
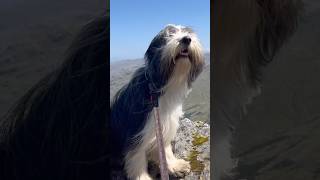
(173, 61)
(246, 37)
(58, 129)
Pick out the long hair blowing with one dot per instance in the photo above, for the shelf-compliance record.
(58, 129)
(246, 37)
(254, 31)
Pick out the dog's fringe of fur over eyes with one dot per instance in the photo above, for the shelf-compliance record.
(246, 37)
(58, 129)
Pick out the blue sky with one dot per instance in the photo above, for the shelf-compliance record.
(135, 22)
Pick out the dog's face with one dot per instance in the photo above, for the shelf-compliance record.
(175, 53)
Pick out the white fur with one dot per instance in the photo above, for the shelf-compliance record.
(170, 110)
(172, 48)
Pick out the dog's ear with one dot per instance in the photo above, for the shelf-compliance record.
(157, 42)
(276, 23)
(169, 25)
(196, 69)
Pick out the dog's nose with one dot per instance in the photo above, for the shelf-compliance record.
(186, 40)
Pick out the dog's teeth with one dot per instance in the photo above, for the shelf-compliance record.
(184, 53)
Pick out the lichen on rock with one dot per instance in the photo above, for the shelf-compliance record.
(192, 143)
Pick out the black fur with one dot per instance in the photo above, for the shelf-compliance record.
(58, 129)
(129, 110)
(131, 105)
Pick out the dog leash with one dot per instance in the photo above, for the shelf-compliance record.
(154, 98)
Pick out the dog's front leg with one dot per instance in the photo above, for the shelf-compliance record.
(177, 167)
(136, 165)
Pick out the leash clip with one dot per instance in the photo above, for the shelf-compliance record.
(154, 95)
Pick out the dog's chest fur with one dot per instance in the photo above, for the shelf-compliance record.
(170, 109)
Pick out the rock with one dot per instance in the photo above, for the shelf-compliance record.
(192, 143)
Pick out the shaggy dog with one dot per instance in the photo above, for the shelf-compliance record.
(246, 36)
(58, 129)
(173, 61)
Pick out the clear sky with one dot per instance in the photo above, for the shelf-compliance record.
(135, 22)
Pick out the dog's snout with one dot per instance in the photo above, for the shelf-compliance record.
(186, 40)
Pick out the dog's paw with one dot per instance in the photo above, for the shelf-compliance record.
(179, 167)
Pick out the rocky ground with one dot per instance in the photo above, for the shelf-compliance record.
(192, 143)
(193, 136)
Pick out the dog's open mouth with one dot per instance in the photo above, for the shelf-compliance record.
(183, 53)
